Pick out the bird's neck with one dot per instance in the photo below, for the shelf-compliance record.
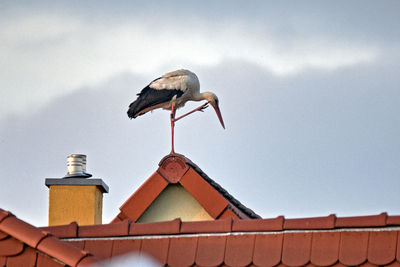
(202, 96)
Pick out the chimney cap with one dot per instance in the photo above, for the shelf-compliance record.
(76, 165)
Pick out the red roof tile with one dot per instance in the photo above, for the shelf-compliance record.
(26, 259)
(157, 228)
(296, 249)
(381, 247)
(178, 169)
(217, 226)
(325, 248)
(63, 231)
(112, 229)
(121, 247)
(29, 245)
(353, 247)
(182, 251)
(268, 250)
(275, 224)
(101, 248)
(210, 250)
(10, 247)
(157, 248)
(143, 197)
(311, 223)
(239, 250)
(362, 221)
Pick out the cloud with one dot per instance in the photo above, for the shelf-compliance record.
(47, 54)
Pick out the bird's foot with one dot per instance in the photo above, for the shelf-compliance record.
(203, 107)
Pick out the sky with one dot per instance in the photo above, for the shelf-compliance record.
(309, 92)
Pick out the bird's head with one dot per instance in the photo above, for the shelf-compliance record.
(214, 102)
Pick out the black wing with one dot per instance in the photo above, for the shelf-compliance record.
(149, 98)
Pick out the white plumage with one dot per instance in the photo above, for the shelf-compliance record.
(172, 91)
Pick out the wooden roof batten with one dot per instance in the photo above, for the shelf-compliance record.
(177, 169)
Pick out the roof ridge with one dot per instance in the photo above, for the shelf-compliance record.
(43, 241)
(249, 212)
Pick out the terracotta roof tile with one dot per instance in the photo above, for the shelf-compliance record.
(268, 250)
(112, 229)
(25, 238)
(178, 169)
(367, 264)
(3, 261)
(311, 223)
(382, 247)
(248, 212)
(172, 168)
(22, 231)
(46, 261)
(210, 250)
(157, 248)
(325, 248)
(3, 235)
(26, 259)
(169, 227)
(394, 264)
(296, 248)
(228, 213)
(89, 262)
(63, 231)
(362, 221)
(217, 226)
(78, 244)
(143, 197)
(204, 193)
(275, 224)
(182, 251)
(10, 247)
(398, 247)
(61, 251)
(121, 247)
(101, 248)
(239, 250)
(393, 220)
(353, 247)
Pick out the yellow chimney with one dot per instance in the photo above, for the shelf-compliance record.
(75, 197)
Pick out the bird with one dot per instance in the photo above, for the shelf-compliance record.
(171, 91)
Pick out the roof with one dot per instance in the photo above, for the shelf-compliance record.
(320, 241)
(22, 244)
(177, 169)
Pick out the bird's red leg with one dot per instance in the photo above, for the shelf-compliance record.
(172, 127)
(205, 105)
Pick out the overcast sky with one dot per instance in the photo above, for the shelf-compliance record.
(309, 92)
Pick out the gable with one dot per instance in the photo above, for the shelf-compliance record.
(178, 170)
(174, 202)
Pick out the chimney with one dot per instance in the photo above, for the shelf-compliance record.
(76, 196)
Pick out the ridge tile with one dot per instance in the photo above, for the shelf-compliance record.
(62, 231)
(103, 230)
(216, 226)
(275, 224)
(362, 221)
(155, 228)
(311, 223)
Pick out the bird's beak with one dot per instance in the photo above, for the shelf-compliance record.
(219, 115)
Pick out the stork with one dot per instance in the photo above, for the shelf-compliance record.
(172, 91)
